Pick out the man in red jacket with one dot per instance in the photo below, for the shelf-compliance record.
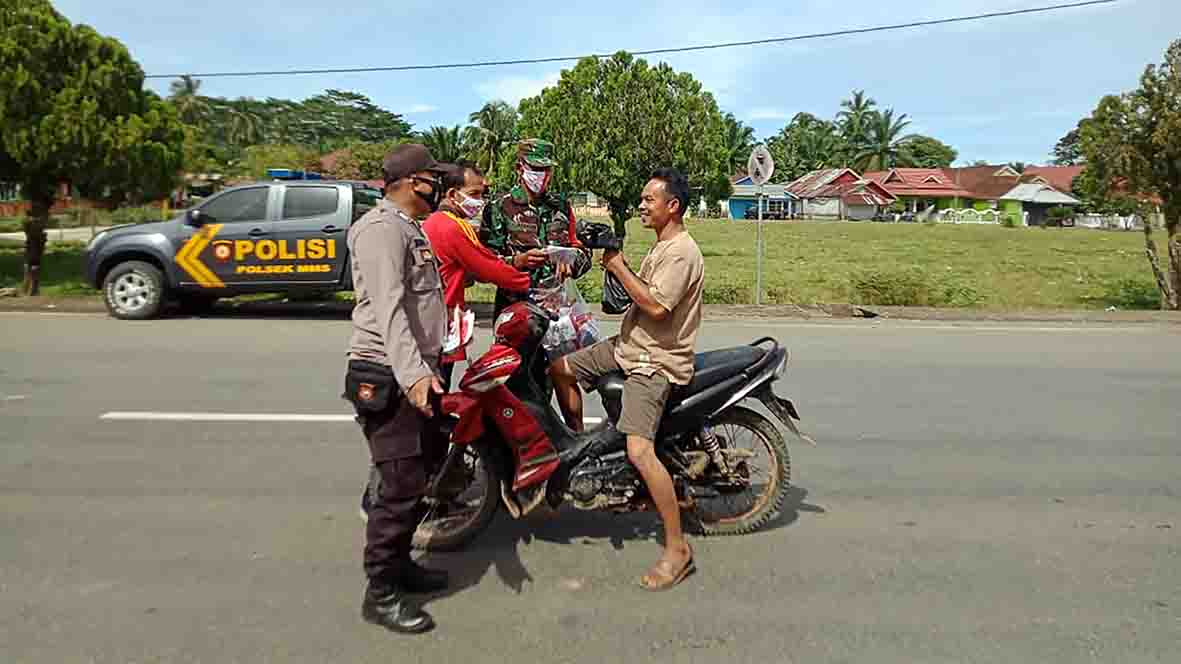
(462, 259)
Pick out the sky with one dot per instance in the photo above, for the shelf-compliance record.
(999, 90)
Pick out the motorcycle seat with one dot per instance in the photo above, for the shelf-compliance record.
(709, 369)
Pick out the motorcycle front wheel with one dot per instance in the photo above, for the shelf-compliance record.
(467, 503)
(766, 466)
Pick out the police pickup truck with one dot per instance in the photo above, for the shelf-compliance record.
(286, 237)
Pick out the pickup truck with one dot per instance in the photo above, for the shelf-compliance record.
(266, 237)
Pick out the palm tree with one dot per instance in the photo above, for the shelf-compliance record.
(854, 120)
(190, 105)
(739, 140)
(445, 143)
(885, 141)
(494, 126)
(818, 147)
(245, 127)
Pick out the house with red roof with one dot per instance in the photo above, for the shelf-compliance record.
(922, 188)
(839, 193)
(1018, 196)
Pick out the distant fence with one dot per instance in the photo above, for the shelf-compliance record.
(969, 216)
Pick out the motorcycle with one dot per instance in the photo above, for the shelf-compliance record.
(729, 463)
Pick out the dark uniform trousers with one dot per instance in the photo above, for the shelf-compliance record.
(404, 449)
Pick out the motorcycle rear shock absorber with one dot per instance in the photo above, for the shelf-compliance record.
(713, 447)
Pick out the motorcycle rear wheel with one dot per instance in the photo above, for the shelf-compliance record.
(748, 511)
(451, 524)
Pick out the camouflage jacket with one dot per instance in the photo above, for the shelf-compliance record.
(512, 226)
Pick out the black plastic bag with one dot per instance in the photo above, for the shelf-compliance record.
(615, 297)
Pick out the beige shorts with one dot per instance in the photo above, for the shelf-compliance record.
(644, 397)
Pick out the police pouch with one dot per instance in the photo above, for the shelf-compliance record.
(370, 387)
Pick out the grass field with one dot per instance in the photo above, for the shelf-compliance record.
(984, 267)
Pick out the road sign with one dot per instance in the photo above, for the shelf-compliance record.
(760, 166)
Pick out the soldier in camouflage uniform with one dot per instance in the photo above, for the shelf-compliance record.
(531, 217)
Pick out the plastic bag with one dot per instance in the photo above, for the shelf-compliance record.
(615, 297)
(575, 327)
(561, 255)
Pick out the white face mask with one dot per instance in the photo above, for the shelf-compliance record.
(470, 207)
(535, 181)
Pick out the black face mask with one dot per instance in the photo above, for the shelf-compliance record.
(435, 197)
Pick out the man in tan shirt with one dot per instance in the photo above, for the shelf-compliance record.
(655, 349)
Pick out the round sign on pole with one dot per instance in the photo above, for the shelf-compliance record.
(760, 166)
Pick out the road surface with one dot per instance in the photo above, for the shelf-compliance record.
(980, 493)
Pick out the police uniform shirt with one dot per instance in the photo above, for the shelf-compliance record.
(399, 318)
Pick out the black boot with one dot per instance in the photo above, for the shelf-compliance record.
(419, 579)
(389, 607)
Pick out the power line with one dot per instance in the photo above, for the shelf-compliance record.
(656, 51)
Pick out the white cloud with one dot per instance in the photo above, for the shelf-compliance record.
(768, 114)
(513, 89)
(421, 108)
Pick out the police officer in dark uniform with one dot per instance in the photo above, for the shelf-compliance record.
(399, 325)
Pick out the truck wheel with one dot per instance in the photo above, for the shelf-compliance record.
(134, 290)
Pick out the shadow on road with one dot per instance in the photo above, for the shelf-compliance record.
(499, 549)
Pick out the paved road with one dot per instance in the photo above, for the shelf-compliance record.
(982, 493)
(59, 234)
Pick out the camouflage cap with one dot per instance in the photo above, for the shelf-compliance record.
(536, 152)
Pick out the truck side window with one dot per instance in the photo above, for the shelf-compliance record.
(364, 200)
(242, 205)
(304, 202)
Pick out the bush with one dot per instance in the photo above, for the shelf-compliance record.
(912, 287)
(1132, 293)
(1056, 216)
(135, 215)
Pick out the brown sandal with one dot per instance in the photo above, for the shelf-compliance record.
(662, 576)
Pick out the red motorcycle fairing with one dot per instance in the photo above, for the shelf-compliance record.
(494, 368)
(483, 394)
(512, 325)
(535, 456)
(471, 422)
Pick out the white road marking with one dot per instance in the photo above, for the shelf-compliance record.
(148, 416)
(15, 397)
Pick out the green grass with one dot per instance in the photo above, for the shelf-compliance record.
(985, 267)
(77, 218)
(61, 268)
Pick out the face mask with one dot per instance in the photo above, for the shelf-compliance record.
(432, 199)
(470, 207)
(535, 181)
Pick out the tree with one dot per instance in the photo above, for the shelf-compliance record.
(339, 117)
(445, 143)
(927, 152)
(806, 144)
(855, 119)
(1018, 166)
(740, 140)
(74, 109)
(492, 128)
(1068, 151)
(362, 161)
(256, 159)
(245, 127)
(1132, 142)
(184, 93)
(885, 141)
(614, 121)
